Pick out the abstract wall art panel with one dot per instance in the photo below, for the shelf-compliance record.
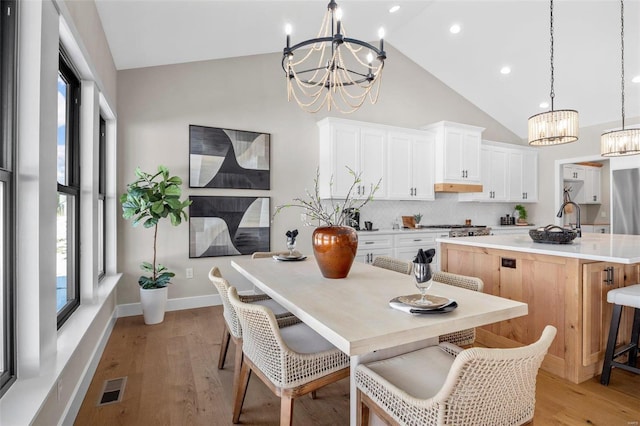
(224, 158)
(228, 226)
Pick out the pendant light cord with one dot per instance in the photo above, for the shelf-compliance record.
(552, 94)
(622, 55)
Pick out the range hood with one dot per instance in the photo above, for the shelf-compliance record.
(456, 187)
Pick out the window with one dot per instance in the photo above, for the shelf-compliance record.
(102, 143)
(7, 234)
(68, 211)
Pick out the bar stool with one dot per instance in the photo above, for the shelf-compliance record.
(624, 296)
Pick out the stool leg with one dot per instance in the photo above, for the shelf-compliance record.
(611, 344)
(635, 331)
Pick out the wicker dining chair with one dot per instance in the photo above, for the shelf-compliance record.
(393, 264)
(232, 330)
(291, 361)
(462, 337)
(446, 385)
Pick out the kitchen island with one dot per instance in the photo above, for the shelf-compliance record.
(564, 285)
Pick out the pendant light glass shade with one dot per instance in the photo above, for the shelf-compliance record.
(618, 143)
(553, 127)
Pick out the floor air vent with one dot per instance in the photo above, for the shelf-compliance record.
(112, 391)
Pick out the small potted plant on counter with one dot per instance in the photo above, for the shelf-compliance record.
(417, 217)
(522, 214)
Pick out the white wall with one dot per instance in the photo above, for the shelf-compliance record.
(157, 104)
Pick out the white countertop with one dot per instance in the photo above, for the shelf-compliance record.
(615, 248)
(437, 230)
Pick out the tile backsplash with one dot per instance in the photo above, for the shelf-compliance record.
(446, 209)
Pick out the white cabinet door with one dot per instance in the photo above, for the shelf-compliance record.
(422, 168)
(372, 161)
(360, 148)
(493, 163)
(461, 155)
(400, 177)
(592, 186)
(523, 176)
(457, 152)
(410, 161)
(530, 177)
(573, 172)
(498, 174)
(370, 246)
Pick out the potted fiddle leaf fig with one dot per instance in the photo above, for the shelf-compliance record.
(148, 200)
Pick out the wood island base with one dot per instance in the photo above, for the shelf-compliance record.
(568, 293)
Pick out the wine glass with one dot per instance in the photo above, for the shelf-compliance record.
(291, 245)
(422, 272)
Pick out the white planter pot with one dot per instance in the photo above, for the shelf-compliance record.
(153, 303)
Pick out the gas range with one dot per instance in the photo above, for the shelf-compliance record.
(463, 230)
(452, 226)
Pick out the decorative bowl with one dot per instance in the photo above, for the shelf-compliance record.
(552, 234)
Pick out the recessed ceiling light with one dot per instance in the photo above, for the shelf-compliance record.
(454, 29)
(544, 104)
(505, 70)
(394, 9)
(636, 79)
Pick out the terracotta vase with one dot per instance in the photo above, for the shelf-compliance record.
(335, 248)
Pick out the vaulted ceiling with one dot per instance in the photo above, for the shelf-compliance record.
(493, 34)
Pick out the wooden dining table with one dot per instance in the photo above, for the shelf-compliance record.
(353, 313)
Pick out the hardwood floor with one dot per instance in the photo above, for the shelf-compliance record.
(173, 379)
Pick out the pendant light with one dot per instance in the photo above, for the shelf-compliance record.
(553, 127)
(624, 141)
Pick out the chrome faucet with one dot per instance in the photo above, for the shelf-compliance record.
(561, 211)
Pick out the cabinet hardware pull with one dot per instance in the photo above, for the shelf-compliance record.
(417, 240)
(369, 242)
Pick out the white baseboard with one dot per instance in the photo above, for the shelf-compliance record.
(132, 309)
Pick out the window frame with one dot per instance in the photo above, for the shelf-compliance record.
(72, 187)
(102, 192)
(8, 101)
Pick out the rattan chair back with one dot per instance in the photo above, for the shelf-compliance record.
(393, 264)
(462, 337)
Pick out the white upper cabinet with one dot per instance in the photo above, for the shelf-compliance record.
(410, 165)
(345, 144)
(493, 164)
(573, 172)
(592, 185)
(457, 152)
(509, 174)
(584, 183)
(523, 175)
(403, 158)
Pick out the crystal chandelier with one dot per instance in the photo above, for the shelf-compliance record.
(333, 69)
(624, 141)
(553, 127)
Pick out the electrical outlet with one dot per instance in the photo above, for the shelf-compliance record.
(189, 273)
(59, 390)
(603, 214)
